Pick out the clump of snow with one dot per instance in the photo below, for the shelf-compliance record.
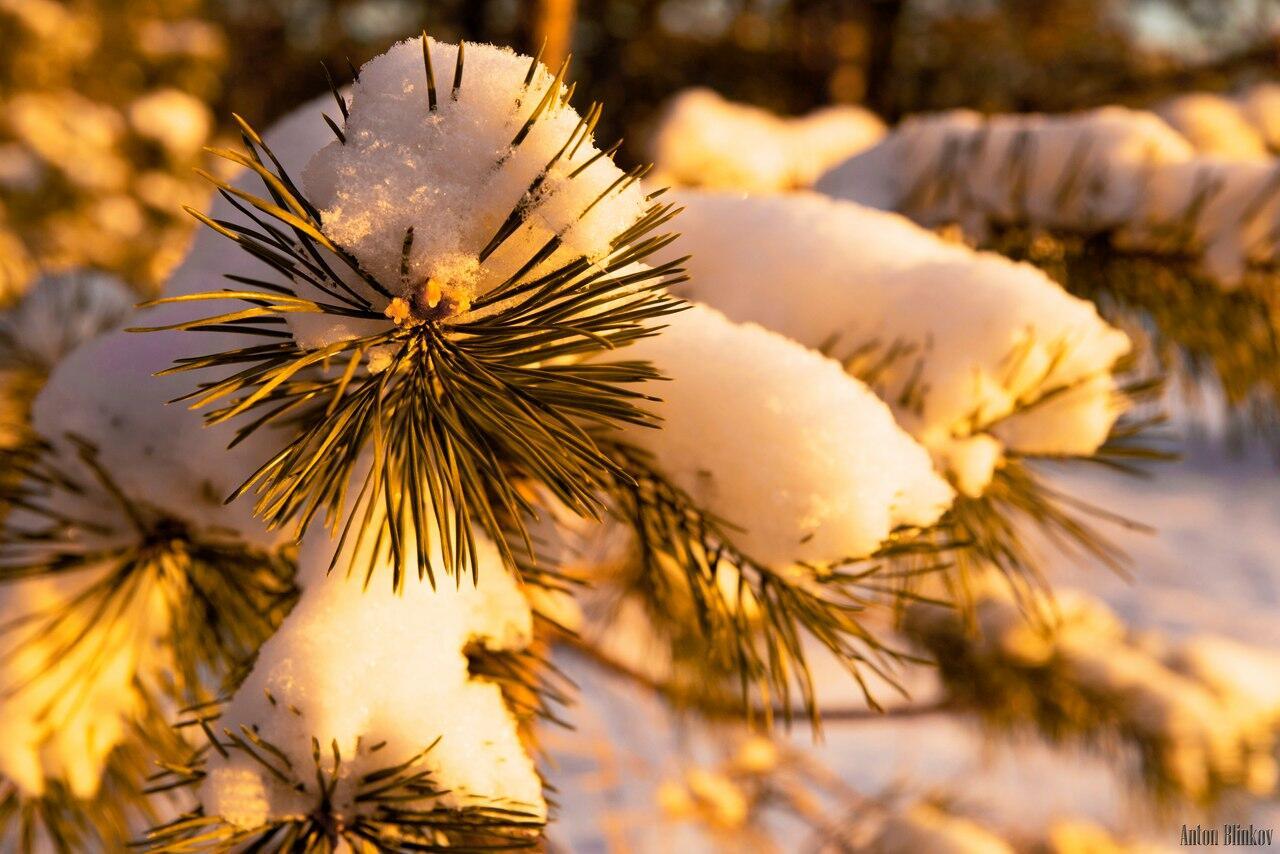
(1261, 104)
(58, 314)
(178, 122)
(802, 459)
(455, 173)
(1214, 124)
(990, 354)
(970, 461)
(1071, 419)
(705, 140)
(828, 136)
(158, 452)
(1242, 125)
(367, 667)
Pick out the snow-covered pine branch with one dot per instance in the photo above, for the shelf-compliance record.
(302, 133)
(983, 340)
(1122, 210)
(801, 462)
(1121, 174)
(502, 267)
(760, 513)
(452, 320)
(1083, 171)
(504, 249)
(361, 721)
(984, 361)
(1198, 713)
(129, 587)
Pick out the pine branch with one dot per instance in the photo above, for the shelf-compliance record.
(746, 638)
(459, 404)
(1194, 329)
(727, 707)
(222, 596)
(59, 821)
(1015, 688)
(533, 687)
(393, 808)
(1019, 499)
(1198, 327)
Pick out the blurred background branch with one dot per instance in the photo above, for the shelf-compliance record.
(549, 23)
(91, 184)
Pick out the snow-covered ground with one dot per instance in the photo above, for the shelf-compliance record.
(1212, 567)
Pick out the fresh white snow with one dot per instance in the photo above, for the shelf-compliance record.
(803, 460)
(366, 666)
(981, 339)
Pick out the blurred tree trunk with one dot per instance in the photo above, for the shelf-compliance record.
(474, 20)
(883, 18)
(549, 20)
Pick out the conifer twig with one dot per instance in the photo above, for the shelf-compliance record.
(744, 641)
(459, 404)
(393, 808)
